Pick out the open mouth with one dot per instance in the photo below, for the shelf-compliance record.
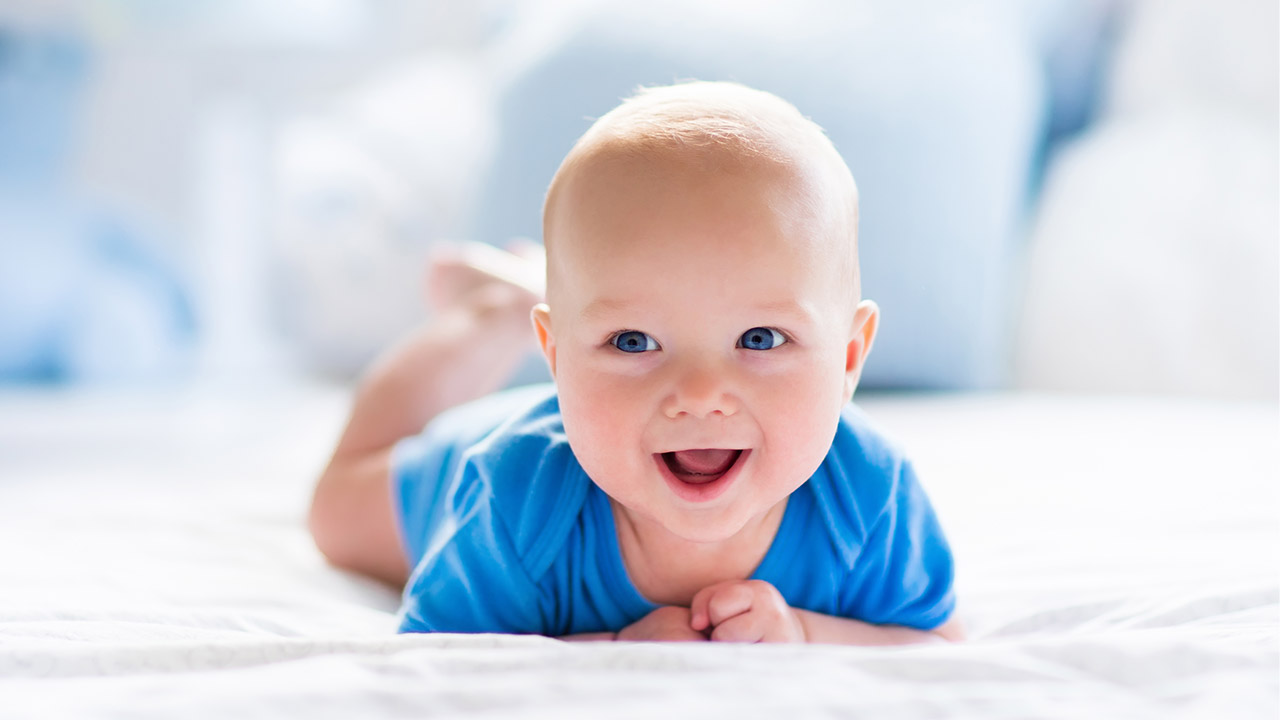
(700, 466)
(701, 474)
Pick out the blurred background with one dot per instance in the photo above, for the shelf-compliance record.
(1060, 195)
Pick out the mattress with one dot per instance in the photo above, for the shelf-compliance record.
(1116, 557)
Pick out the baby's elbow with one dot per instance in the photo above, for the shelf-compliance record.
(325, 525)
(952, 630)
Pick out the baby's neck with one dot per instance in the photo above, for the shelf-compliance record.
(669, 570)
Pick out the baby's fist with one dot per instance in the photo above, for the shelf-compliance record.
(666, 624)
(745, 611)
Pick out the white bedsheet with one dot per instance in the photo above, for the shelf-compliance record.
(1116, 558)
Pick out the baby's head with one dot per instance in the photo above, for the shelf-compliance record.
(703, 320)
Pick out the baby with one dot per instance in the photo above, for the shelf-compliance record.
(696, 472)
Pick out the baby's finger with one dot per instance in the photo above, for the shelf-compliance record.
(744, 628)
(729, 601)
(699, 608)
(698, 619)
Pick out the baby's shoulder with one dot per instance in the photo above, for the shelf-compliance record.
(530, 478)
(859, 479)
(861, 444)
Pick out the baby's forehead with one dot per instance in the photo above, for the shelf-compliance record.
(794, 179)
(625, 206)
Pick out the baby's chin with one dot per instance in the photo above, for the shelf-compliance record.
(713, 526)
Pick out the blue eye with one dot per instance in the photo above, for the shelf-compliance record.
(633, 341)
(761, 338)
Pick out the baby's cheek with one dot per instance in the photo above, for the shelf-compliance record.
(581, 416)
(807, 422)
(596, 417)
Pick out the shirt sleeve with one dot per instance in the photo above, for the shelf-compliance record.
(424, 467)
(904, 572)
(421, 467)
(471, 578)
(468, 574)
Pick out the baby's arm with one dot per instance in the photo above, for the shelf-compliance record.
(669, 623)
(754, 611)
(821, 628)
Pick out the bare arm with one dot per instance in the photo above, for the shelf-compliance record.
(819, 628)
(669, 623)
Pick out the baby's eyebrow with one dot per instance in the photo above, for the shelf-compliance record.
(603, 306)
(801, 311)
(790, 306)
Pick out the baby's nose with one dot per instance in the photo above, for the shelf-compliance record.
(702, 392)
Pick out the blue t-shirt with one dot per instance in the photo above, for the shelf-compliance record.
(507, 534)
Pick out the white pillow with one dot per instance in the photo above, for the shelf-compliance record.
(1153, 264)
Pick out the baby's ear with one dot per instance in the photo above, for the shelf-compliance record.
(541, 316)
(866, 320)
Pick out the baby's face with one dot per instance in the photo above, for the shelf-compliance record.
(701, 339)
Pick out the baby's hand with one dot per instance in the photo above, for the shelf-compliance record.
(745, 611)
(666, 624)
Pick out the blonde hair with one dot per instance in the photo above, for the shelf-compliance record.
(721, 126)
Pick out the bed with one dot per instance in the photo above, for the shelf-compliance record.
(1117, 558)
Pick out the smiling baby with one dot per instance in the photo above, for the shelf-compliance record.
(697, 471)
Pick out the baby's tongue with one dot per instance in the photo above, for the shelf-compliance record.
(704, 462)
